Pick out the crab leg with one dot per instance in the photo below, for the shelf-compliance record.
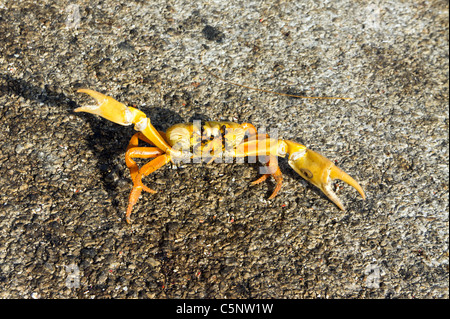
(145, 170)
(261, 145)
(134, 151)
(275, 172)
(140, 152)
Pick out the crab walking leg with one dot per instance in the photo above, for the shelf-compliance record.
(119, 113)
(134, 151)
(140, 152)
(319, 171)
(145, 170)
(261, 145)
(134, 141)
(275, 172)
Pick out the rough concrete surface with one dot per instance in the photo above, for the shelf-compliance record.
(64, 185)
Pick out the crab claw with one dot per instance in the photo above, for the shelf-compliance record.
(119, 113)
(107, 108)
(319, 170)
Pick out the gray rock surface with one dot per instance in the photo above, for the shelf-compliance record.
(206, 234)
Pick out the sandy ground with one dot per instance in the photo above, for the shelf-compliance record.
(207, 234)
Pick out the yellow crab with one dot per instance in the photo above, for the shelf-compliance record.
(212, 141)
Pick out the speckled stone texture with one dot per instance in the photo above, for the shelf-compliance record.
(64, 185)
